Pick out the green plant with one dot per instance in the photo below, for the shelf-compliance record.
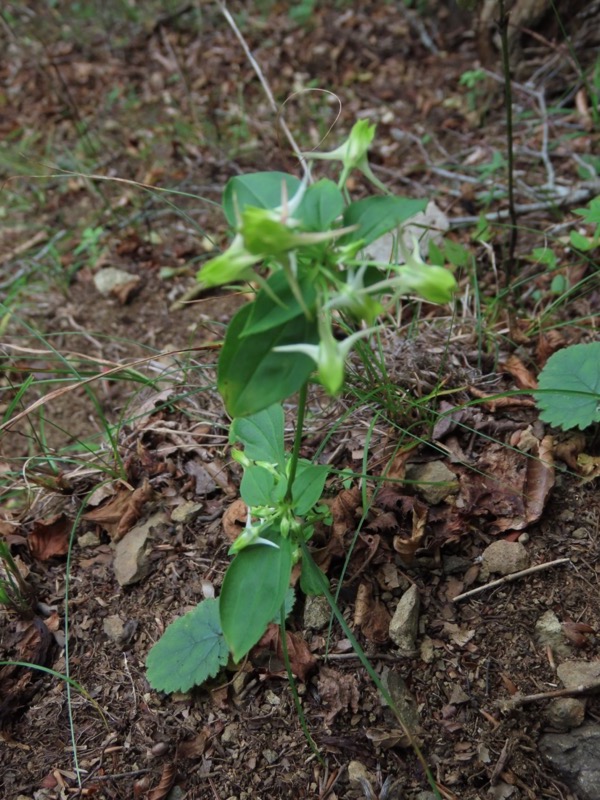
(569, 387)
(311, 238)
(474, 81)
(591, 215)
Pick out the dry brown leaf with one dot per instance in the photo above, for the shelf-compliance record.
(493, 402)
(523, 376)
(302, 660)
(338, 691)
(234, 519)
(194, 748)
(406, 547)
(167, 779)
(569, 448)
(50, 537)
(343, 511)
(371, 615)
(122, 512)
(397, 466)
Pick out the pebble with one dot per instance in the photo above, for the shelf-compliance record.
(579, 673)
(565, 713)
(404, 623)
(357, 773)
(434, 481)
(317, 613)
(549, 633)
(503, 558)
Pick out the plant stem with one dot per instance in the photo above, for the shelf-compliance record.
(297, 441)
(512, 212)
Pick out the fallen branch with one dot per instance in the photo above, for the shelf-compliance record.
(512, 577)
(525, 699)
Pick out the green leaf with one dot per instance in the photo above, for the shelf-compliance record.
(591, 213)
(580, 242)
(254, 588)
(262, 434)
(252, 377)
(266, 312)
(308, 486)
(288, 605)
(312, 580)
(375, 216)
(191, 650)
(259, 190)
(569, 387)
(259, 487)
(321, 205)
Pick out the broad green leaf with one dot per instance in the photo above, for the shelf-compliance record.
(580, 242)
(266, 312)
(259, 487)
(308, 486)
(252, 377)
(254, 588)
(569, 387)
(312, 580)
(259, 190)
(262, 435)
(375, 216)
(321, 205)
(191, 650)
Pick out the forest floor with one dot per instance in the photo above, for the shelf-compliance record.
(173, 103)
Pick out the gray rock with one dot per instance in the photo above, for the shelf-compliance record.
(574, 674)
(565, 713)
(403, 699)
(114, 627)
(503, 558)
(358, 775)
(549, 633)
(131, 563)
(434, 480)
(108, 279)
(317, 613)
(404, 623)
(575, 756)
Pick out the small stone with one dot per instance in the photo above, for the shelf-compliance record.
(89, 539)
(230, 733)
(402, 697)
(404, 624)
(434, 481)
(580, 533)
(565, 713)
(108, 279)
(455, 564)
(549, 633)
(270, 756)
(503, 558)
(186, 511)
(131, 563)
(574, 674)
(358, 774)
(114, 627)
(317, 613)
(576, 758)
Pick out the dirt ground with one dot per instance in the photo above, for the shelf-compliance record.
(188, 114)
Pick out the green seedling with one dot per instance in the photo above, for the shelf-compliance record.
(568, 393)
(303, 244)
(591, 215)
(474, 81)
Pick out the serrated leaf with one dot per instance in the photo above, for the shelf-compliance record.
(569, 387)
(191, 650)
(288, 605)
(253, 591)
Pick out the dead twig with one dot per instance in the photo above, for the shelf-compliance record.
(510, 578)
(518, 700)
